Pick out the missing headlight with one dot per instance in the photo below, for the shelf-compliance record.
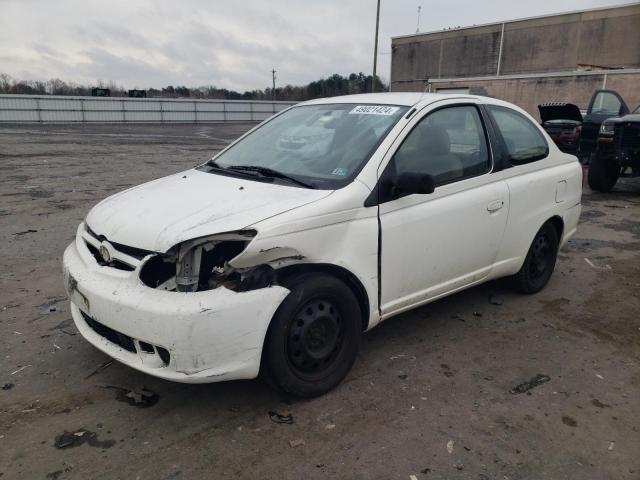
(201, 264)
(159, 272)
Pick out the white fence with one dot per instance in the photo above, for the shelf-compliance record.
(59, 109)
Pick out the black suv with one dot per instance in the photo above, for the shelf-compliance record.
(610, 140)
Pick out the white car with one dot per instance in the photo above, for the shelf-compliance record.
(263, 260)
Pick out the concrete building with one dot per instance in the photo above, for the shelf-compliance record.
(530, 61)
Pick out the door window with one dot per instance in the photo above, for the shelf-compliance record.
(522, 139)
(606, 103)
(448, 144)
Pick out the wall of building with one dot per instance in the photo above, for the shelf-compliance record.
(527, 62)
(606, 38)
(530, 91)
(52, 109)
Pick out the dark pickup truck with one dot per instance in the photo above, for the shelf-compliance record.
(604, 104)
(607, 137)
(617, 151)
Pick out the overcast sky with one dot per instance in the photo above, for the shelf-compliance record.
(232, 44)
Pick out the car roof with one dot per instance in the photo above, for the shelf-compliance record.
(408, 99)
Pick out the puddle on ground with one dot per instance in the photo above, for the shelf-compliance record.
(626, 225)
(585, 244)
(589, 214)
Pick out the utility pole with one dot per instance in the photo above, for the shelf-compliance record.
(418, 25)
(375, 50)
(273, 90)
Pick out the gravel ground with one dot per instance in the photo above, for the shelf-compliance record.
(430, 395)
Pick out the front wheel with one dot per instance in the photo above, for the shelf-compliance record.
(603, 174)
(314, 336)
(539, 262)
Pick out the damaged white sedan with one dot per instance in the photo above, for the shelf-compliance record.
(314, 227)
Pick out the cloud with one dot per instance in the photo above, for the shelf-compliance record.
(235, 45)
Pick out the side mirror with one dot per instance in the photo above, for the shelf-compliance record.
(409, 183)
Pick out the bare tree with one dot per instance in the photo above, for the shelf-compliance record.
(333, 85)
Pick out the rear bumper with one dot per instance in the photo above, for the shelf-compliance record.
(209, 336)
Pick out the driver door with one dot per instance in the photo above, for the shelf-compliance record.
(433, 244)
(604, 104)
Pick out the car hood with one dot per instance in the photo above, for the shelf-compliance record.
(559, 111)
(162, 213)
(630, 117)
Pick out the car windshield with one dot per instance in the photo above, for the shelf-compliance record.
(320, 146)
(637, 110)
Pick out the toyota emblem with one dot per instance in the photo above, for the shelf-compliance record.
(104, 253)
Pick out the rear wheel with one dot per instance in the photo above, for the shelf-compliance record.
(539, 262)
(603, 174)
(314, 337)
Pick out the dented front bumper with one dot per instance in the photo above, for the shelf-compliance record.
(209, 336)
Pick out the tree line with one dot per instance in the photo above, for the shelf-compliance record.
(331, 86)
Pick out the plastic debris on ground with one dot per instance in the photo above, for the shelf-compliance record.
(100, 368)
(80, 437)
(524, 387)
(592, 265)
(20, 369)
(280, 418)
(139, 397)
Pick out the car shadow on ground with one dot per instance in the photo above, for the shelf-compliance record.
(441, 318)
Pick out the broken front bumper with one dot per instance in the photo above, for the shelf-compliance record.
(187, 337)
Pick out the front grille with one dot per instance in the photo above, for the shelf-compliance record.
(125, 341)
(110, 334)
(134, 252)
(164, 355)
(630, 136)
(114, 263)
(122, 255)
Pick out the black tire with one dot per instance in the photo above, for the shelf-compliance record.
(539, 263)
(314, 336)
(603, 174)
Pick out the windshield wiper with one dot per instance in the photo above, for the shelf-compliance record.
(238, 171)
(267, 172)
(213, 164)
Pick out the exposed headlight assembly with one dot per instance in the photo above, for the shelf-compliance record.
(198, 264)
(606, 129)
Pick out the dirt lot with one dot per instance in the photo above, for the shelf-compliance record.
(429, 395)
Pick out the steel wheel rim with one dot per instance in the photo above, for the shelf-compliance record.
(540, 257)
(316, 336)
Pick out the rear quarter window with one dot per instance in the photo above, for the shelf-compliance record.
(522, 139)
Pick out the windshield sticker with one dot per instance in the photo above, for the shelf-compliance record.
(374, 110)
(340, 172)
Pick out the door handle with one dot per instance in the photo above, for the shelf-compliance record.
(495, 206)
